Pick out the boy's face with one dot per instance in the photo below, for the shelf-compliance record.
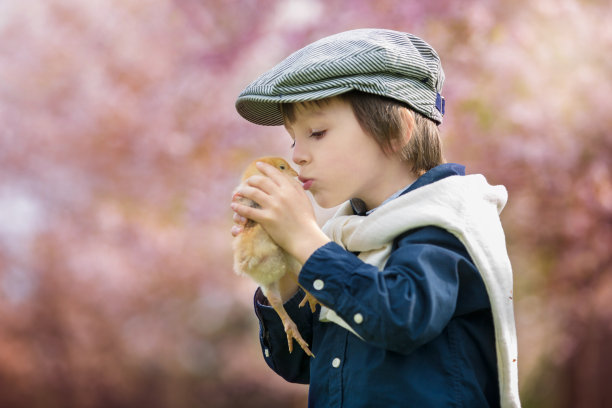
(337, 160)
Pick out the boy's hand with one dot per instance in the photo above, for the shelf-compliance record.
(285, 212)
(239, 223)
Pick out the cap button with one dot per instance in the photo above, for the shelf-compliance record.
(318, 284)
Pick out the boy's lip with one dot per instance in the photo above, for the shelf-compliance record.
(306, 182)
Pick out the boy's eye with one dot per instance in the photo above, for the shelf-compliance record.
(317, 134)
(293, 144)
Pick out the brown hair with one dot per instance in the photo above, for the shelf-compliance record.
(387, 122)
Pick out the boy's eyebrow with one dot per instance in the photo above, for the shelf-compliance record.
(312, 111)
(310, 108)
(306, 114)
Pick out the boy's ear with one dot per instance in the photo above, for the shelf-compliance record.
(408, 118)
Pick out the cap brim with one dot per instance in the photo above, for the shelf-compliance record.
(265, 110)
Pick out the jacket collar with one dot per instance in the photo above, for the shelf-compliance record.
(437, 173)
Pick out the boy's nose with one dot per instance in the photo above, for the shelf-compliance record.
(299, 156)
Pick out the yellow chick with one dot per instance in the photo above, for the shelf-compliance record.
(258, 256)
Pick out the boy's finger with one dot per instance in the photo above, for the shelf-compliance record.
(255, 193)
(236, 230)
(271, 172)
(263, 183)
(238, 219)
(245, 211)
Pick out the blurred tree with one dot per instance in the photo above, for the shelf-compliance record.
(120, 146)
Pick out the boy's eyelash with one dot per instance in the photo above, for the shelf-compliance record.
(318, 133)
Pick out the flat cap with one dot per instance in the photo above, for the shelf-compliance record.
(389, 63)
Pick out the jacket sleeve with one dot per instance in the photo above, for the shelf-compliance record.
(405, 305)
(293, 367)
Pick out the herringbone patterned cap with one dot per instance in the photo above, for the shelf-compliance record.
(382, 62)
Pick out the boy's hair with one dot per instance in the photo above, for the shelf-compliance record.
(385, 120)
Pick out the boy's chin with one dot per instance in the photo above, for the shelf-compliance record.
(326, 204)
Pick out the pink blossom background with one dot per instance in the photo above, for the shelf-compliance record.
(120, 146)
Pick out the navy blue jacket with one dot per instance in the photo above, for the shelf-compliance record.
(426, 323)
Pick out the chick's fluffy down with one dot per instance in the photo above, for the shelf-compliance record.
(258, 256)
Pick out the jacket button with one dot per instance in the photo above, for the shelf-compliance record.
(318, 284)
(336, 362)
(358, 318)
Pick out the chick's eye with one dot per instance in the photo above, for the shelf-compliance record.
(282, 167)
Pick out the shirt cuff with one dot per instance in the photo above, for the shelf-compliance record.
(265, 312)
(325, 273)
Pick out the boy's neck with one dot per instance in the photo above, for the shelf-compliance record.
(399, 177)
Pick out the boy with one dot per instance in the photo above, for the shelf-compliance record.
(412, 272)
